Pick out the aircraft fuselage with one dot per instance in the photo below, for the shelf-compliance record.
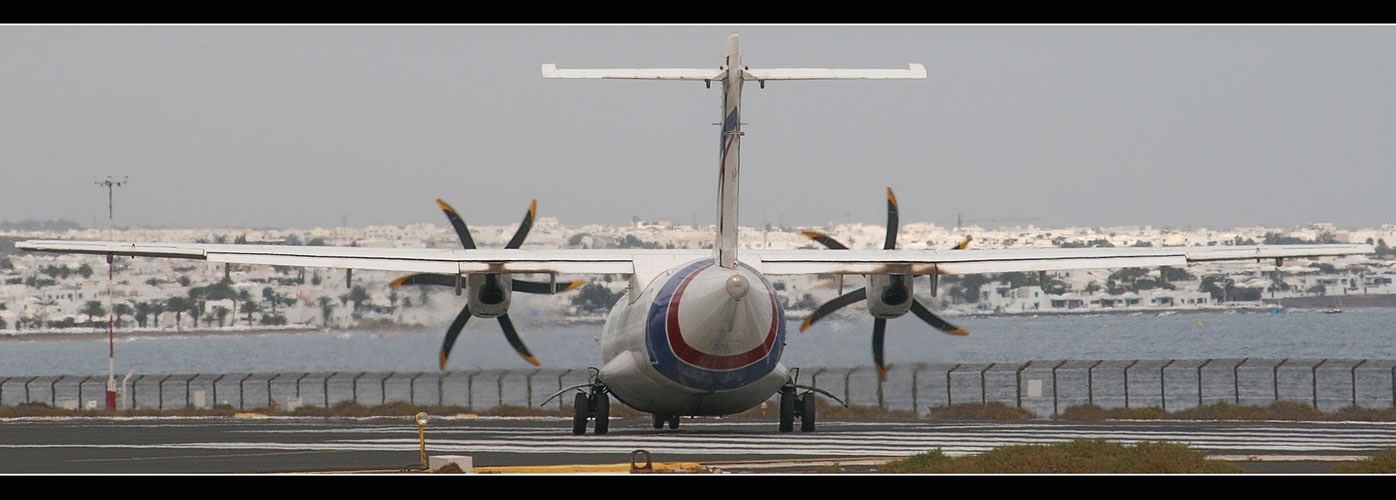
(699, 339)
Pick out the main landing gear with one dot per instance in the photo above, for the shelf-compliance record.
(592, 404)
(793, 405)
(660, 420)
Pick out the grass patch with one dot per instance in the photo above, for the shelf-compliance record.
(1081, 456)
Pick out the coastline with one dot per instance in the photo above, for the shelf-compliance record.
(1306, 304)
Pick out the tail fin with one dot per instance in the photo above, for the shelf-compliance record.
(730, 76)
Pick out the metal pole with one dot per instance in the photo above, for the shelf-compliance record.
(1275, 377)
(1054, 386)
(1090, 382)
(1199, 381)
(1314, 380)
(1354, 382)
(983, 385)
(948, 401)
(109, 183)
(1236, 379)
(1127, 367)
(1162, 392)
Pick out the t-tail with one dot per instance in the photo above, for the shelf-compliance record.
(730, 77)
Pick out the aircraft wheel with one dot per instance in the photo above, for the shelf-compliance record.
(807, 404)
(658, 421)
(787, 409)
(673, 421)
(603, 414)
(579, 414)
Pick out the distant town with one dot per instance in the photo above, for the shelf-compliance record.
(56, 293)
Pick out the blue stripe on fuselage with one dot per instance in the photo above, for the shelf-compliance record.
(667, 363)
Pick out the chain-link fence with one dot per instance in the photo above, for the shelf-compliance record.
(1043, 387)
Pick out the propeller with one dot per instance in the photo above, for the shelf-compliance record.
(487, 289)
(896, 290)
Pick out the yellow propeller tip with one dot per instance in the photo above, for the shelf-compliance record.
(959, 331)
(572, 285)
(444, 206)
(805, 326)
(882, 373)
(398, 282)
(532, 360)
(532, 208)
(891, 198)
(812, 234)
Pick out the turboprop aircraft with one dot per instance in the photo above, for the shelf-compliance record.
(698, 332)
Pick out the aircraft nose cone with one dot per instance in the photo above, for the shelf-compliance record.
(737, 286)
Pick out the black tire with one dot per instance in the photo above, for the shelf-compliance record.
(603, 414)
(807, 405)
(579, 414)
(787, 410)
(658, 421)
(673, 421)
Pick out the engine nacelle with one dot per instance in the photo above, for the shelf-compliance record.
(889, 295)
(488, 294)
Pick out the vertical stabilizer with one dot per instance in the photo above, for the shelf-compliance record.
(729, 167)
(730, 77)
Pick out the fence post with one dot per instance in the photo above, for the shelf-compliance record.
(270, 400)
(528, 386)
(846, 375)
(159, 396)
(298, 384)
(7, 379)
(1354, 382)
(214, 386)
(559, 387)
(880, 404)
(948, 401)
(133, 390)
(383, 389)
(26, 388)
(326, 382)
(1162, 391)
(80, 382)
(187, 382)
(412, 388)
(53, 391)
(1090, 382)
(470, 390)
(441, 388)
(1199, 380)
(1275, 380)
(1054, 386)
(1236, 379)
(1127, 367)
(240, 391)
(354, 387)
(1018, 381)
(499, 385)
(916, 370)
(983, 385)
(1314, 380)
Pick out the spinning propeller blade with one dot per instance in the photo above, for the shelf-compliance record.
(505, 324)
(879, 324)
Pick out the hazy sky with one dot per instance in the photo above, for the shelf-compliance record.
(1056, 125)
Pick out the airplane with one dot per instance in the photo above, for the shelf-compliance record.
(698, 332)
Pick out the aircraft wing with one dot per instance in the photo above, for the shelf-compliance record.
(974, 261)
(647, 263)
(409, 260)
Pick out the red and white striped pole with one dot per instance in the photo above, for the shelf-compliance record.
(111, 304)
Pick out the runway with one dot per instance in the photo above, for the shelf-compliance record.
(313, 445)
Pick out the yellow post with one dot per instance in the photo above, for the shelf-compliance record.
(421, 419)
